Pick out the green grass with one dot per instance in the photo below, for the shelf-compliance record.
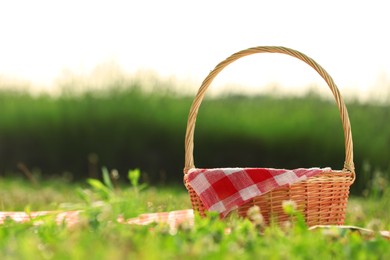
(99, 236)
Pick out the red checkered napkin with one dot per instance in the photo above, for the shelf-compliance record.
(225, 189)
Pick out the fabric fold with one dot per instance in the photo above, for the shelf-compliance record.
(225, 189)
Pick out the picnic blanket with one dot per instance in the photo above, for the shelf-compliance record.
(225, 189)
(67, 217)
(172, 218)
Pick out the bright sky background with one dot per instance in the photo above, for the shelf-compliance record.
(40, 40)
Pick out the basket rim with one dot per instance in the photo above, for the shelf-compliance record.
(325, 169)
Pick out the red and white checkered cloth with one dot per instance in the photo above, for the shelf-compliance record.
(172, 218)
(68, 217)
(225, 189)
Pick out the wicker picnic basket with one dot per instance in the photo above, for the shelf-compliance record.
(322, 199)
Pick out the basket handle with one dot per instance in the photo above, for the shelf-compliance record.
(189, 138)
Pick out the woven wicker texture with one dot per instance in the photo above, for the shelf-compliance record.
(322, 199)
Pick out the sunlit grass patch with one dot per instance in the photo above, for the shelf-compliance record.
(99, 235)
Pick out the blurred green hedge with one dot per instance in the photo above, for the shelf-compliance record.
(127, 128)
